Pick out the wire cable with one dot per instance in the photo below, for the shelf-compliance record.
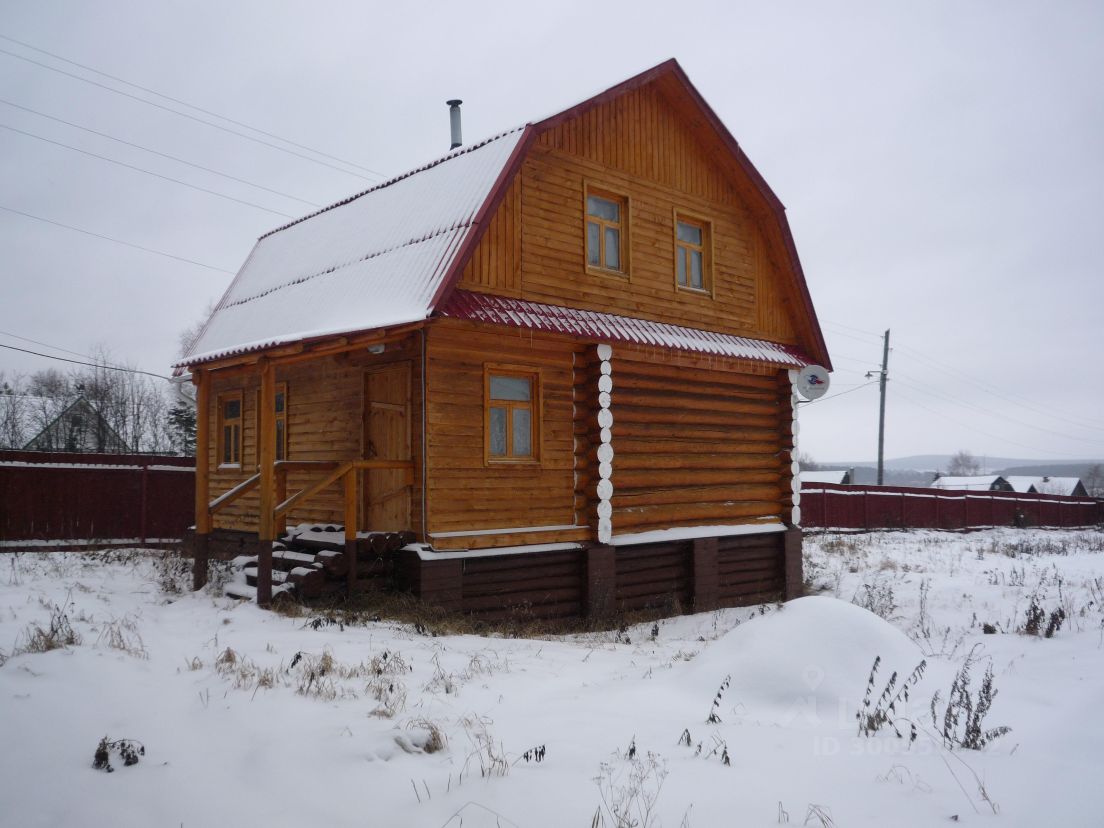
(147, 172)
(90, 364)
(161, 154)
(842, 393)
(376, 177)
(117, 241)
(189, 105)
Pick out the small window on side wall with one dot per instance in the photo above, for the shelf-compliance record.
(606, 232)
(280, 419)
(512, 415)
(693, 258)
(230, 429)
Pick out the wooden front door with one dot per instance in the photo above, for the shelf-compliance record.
(387, 437)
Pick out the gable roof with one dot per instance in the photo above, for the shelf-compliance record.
(393, 254)
(837, 476)
(1046, 485)
(36, 423)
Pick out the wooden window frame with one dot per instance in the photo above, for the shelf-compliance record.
(535, 406)
(609, 194)
(220, 447)
(281, 445)
(681, 248)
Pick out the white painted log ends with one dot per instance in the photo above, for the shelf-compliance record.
(605, 449)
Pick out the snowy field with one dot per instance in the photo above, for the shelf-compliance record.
(731, 718)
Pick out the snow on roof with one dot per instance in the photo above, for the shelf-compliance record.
(380, 258)
(1021, 483)
(1057, 485)
(983, 483)
(360, 264)
(520, 313)
(824, 476)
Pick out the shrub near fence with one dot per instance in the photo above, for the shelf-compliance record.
(831, 506)
(55, 496)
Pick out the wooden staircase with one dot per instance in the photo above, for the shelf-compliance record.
(310, 562)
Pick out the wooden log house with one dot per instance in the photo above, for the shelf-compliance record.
(562, 359)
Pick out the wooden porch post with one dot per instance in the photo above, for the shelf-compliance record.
(266, 442)
(202, 382)
(350, 531)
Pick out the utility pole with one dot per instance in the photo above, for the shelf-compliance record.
(881, 408)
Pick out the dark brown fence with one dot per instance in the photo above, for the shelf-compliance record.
(830, 506)
(102, 498)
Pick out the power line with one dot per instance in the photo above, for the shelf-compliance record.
(90, 364)
(147, 172)
(992, 390)
(833, 396)
(189, 105)
(190, 117)
(117, 241)
(44, 344)
(981, 431)
(923, 389)
(161, 154)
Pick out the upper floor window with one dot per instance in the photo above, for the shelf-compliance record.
(606, 223)
(512, 426)
(692, 255)
(230, 429)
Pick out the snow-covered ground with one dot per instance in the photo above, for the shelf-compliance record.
(254, 718)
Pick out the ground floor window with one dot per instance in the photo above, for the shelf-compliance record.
(511, 399)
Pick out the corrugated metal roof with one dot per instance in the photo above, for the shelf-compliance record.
(609, 327)
(364, 263)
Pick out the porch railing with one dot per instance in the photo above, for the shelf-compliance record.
(345, 471)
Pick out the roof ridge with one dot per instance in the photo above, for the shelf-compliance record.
(395, 180)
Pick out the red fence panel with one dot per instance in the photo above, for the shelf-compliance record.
(53, 496)
(832, 506)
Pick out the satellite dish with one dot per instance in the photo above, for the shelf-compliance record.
(812, 382)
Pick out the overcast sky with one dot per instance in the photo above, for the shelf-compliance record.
(942, 164)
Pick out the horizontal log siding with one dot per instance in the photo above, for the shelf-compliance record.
(655, 576)
(750, 568)
(694, 445)
(325, 422)
(540, 585)
(465, 493)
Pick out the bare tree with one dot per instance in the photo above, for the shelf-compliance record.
(1094, 480)
(963, 464)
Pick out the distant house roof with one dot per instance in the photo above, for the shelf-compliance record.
(1068, 486)
(392, 254)
(985, 483)
(55, 424)
(838, 476)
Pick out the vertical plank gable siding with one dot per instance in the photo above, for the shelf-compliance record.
(465, 492)
(325, 409)
(638, 146)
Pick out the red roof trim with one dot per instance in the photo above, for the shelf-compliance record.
(608, 327)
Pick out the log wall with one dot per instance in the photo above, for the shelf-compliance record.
(696, 442)
(467, 493)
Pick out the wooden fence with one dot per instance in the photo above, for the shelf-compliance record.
(831, 506)
(52, 497)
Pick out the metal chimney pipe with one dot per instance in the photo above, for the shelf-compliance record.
(454, 122)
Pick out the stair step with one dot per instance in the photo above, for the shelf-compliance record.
(249, 593)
